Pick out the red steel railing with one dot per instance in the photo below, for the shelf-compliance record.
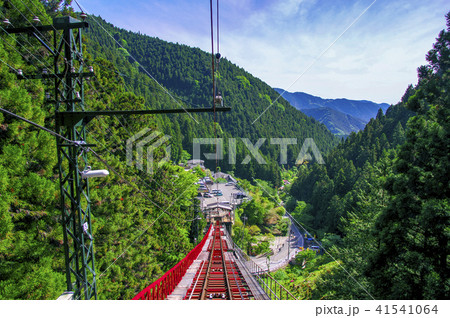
(167, 283)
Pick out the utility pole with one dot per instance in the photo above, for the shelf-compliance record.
(243, 228)
(194, 226)
(289, 242)
(71, 119)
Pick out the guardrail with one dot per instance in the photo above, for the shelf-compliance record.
(164, 286)
(273, 289)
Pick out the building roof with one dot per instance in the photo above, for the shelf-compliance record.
(195, 161)
(218, 206)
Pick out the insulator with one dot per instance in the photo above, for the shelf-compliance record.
(85, 227)
(44, 71)
(72, 69)
(83, 16)
(36, 19)
(219, 100)
(77, 94)
(6, 22)
(91, 69)
(19, 72)
(218, 56)
(47, 95)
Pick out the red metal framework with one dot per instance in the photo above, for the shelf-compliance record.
(219, 277)
(167, 283)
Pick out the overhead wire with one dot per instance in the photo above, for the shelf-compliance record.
(50, 68)
(326, 251)
(22, 36)
(215, 59)
(80, 145)
(96, 155)
(134, 59)
(20, 12)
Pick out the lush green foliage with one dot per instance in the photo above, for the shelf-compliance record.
(385, 191)
(137, 238)
(325, 186)
(186, 73)
(258, 220)
(380, 203)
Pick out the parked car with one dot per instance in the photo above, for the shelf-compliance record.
(203, 189)
(207, 180)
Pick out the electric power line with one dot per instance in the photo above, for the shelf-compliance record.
(134, 59)
(326, 251)
(87, 149)
(40, 61)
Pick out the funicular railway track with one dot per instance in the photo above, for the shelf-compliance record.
(219, 277)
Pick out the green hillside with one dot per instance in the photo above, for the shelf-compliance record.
(338, 123)
(142, 223)
(186, 73)
(380, 204)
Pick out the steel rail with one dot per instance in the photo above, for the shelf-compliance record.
(208, 270)
(225, 272)
(196, 281)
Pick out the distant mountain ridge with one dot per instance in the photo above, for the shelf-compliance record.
(327, 110)
(338, 123)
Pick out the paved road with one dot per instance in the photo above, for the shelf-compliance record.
(298, 235)
(281, 246)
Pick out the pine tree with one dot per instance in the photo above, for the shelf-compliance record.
(413, 232)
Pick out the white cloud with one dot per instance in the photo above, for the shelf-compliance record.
(375, 59)
(277, 40)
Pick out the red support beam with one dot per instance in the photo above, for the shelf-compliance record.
(160, 289)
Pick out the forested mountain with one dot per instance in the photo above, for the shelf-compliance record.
(324, 186)
(338, 123)
(381, 201)
(341, 116)
(186, 73)
(362, 109)
(137, 237)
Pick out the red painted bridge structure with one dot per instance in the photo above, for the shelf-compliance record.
(215, 270)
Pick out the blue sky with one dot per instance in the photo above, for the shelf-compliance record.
(300, 45)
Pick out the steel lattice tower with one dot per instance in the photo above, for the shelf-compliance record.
(71, 119)
(68, 77)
